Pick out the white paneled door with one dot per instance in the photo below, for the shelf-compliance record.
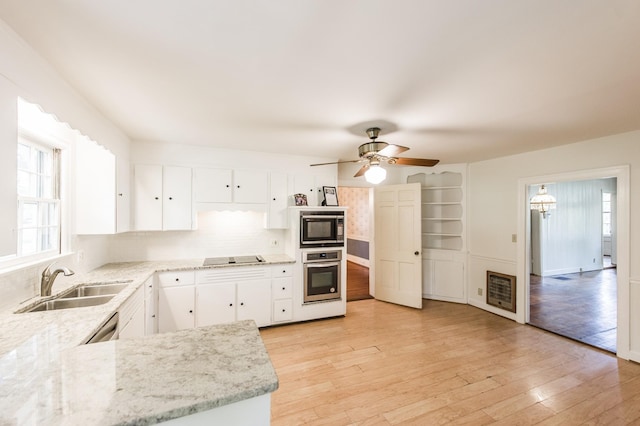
(398, 241)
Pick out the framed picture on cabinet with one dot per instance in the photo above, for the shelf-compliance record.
(300, 199)
(501, 291)
(330, 196)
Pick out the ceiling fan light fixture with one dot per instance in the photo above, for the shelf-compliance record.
(375, 174)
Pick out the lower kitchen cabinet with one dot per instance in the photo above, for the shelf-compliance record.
(176, 301)
(131, 321)
(234, 301)
(150, 307)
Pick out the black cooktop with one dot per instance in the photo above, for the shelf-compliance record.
(211, 261)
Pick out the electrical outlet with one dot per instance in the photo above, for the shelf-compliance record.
(80, 256)
(514, 238)
(274, 243)
(479, 291)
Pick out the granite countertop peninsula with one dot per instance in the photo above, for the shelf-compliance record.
(139, 381)
(29, 339)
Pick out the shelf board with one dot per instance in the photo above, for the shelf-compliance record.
(434, 234)
(436, 188)
(443, 219)
(443, 203)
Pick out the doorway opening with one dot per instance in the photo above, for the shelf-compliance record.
(573, 279)
(358, 202)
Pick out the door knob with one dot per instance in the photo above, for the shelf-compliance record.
(416, 253)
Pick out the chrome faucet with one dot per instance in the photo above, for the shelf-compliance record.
(48, 276)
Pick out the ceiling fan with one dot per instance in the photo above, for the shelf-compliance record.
(375, 152)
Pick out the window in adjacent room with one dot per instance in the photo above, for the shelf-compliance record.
(606, 213)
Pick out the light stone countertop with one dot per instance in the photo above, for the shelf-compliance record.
(28, 338)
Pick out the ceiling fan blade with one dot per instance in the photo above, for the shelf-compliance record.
(392, 150)
(416, 162)
(362, 170)
(336, 162)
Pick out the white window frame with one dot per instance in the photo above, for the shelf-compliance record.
(41, 201)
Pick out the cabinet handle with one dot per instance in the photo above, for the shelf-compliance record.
(156, 198)
(153, 316)
(191, 311)
(284, 310)
(177, 280)
(283, 288)
(230, 304)
(284, 271)
(416, 252)
(238, 186)
(274, 199)
(120, 194)
(241, 303)
(171, 198)
(227, 186)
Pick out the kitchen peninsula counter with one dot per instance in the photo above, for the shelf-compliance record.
(188, 372)
(140, 381)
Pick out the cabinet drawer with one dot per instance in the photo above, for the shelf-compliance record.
(232, 274)
(281, 288)
(283, 270)
(282, 310)
(167, 279)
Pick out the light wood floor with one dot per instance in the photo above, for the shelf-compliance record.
(447, 363)
(357, 282)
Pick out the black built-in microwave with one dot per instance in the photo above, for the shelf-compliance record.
(321, 229)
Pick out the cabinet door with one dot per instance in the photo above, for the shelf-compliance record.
(95, 188)
(215, 304)
(135, 327)
(278, 213)
(212, 185)
(123, 198)
(306, 184)
(8, 184)
(176, 205)
(148, 197)
(250, 186)
(253, 301)
(448, 279)
(176, 308)
(150, 307)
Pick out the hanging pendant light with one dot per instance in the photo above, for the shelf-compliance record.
(543, 202)
(375, 174)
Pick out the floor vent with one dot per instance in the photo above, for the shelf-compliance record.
(501, 291)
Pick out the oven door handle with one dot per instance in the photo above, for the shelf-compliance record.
(321, 265)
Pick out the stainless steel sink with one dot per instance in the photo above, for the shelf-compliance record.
(94, 290)
(76, 302)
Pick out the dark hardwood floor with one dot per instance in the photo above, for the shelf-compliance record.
(581, 306)
(357, 282)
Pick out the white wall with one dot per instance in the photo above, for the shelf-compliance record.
(493, 211)
(33, 79)
(571, 235)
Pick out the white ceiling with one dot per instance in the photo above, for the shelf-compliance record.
(458, 80)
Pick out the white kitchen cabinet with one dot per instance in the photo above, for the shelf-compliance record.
(123, 198)
(163, 199)
(282, 293)
(231, 294)
(95, 178)
(277, 215)
(443, 276)
(230, 186)
(150, 307)
(8, 184)
(311, 186)
(215, 304)
(176, 301)
(131, 319)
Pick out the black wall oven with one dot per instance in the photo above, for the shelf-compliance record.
(322, 277)
(321, 229)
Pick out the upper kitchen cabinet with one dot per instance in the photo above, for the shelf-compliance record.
(230, 186)
(95, 188)
(277, 214)
(8, 166)
(162, 199)
(311, 186)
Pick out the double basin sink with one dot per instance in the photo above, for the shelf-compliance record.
(81, 296)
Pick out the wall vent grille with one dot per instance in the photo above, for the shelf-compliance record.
(501, 291)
